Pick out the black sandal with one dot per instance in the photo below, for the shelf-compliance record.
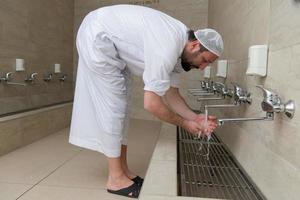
(138, 180)
(132, 191)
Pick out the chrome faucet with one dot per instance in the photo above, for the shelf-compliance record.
(202, 84)
(48, 77)
(200, 91)
(269, 117)
(32, 77)
(63, 78)
(271, 104)
(7, 79)
(222, 88)
(218, 88)
(241, 95)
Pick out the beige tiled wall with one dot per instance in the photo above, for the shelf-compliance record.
(25, 128)
(191, 12)
(41, 32)
(269, 151)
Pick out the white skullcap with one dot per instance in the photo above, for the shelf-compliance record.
(211, 40)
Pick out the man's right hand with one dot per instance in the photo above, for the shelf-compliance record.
(191, 126)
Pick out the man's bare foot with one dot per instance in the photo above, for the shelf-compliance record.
(117, 183)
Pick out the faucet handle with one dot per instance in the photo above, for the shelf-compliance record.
(270, 95)
(63, 78)
(32, 77)
(248, 98)
(220, 84)
(202, 84)
(236, 89)
(8, 76)
(48, 77)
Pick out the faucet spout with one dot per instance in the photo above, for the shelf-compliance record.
(211, 98)
(13, 83)
(222, 106)
(269, 117)
(203, 94)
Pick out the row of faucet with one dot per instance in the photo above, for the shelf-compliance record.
(7, 78)
(210, 88)
(270, 104)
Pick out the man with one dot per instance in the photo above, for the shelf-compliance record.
(112, 43)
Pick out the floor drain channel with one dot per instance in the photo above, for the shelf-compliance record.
(219, 177)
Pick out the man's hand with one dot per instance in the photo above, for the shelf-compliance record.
(209, 127)
(201, 117)
(191, 126)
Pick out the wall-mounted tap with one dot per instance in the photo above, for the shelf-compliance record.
(7, 79)
(210, 98)
(209, 86)
(218, 88)
(205, 91)
(202, 84)
(240, 95)
(222, 89)
(269, 117)
(31, 78)
(271, 104)
(48, 77)
(63, 78)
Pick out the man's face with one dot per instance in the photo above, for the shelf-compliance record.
(192, 58)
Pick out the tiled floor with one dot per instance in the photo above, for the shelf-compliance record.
(52, 169)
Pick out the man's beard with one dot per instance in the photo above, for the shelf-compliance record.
(186, 65)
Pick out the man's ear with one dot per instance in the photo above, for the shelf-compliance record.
(195, 45)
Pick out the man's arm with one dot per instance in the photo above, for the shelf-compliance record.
(155, 105)
(178, 104)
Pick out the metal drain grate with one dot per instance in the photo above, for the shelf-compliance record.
(219, 177)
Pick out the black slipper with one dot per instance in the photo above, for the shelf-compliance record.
(132, 191)
(138, 180)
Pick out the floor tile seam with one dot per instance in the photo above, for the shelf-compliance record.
(71, 187)
(53, 171)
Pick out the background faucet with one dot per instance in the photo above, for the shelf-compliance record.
(222, 88)
(241, 95)
(203, 91)
(32, 77)
(7, 79)
(48, 77)
(218, 88)
(63, 78)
